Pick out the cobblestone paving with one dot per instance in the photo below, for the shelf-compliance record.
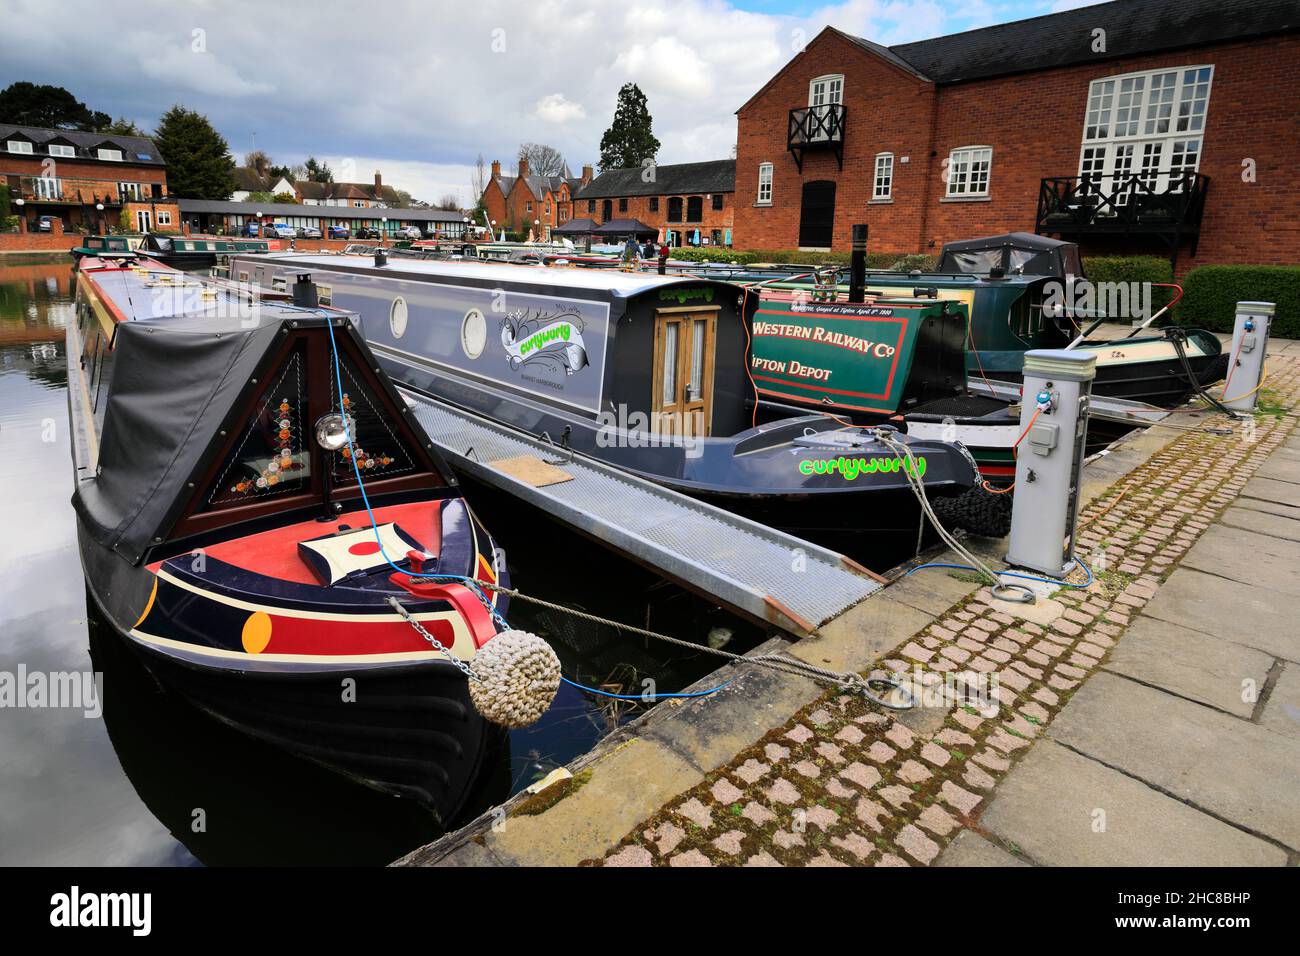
(845, 784)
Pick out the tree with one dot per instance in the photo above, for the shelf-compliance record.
(542, 160)
(478, 178)
(277, 173)
(199, 164)
(122, 127)
(318, 172)
(284, 198)
(448, 202)
(50, 107)
(258, 161)
(630, 140)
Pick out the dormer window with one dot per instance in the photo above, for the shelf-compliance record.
(20, 146)
(62, 149)
(112, 155)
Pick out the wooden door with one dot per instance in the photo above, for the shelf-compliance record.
(817, 214)
(684, 351)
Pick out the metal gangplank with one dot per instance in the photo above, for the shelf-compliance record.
(751, 569)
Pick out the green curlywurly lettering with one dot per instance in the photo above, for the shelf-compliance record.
(545, 337)
(683, 295)
(850, 468)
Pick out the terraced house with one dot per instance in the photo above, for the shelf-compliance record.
(528, 201)
(690, 203)
(1139, 126)
(85, 181)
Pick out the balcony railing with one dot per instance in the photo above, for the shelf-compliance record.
(1168, 206)
(816, 128)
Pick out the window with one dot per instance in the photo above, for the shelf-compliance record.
(164, 217)
(19, 146)
(1145, 128)
(675, 209)
(59, 149)
(622, 204)
(654, 203)
(591, 205)
(113, 155)
(717, 201)
(359, 204)
(883, 184)
(968, 171)
(695, 209)
(528, 208)
(131, 191)
(765, 184)
(826, 91)
(47, 187)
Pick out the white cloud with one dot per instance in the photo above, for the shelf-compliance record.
(555, 108)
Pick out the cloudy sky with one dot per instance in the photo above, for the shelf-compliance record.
(420, 88)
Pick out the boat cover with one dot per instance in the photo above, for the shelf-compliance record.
(1015, 253)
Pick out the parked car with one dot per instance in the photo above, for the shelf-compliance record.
(367, 232)
(252, 229)
(46, 223)
(409, 232)
(281, 231)
(309, 232)
(340, 232)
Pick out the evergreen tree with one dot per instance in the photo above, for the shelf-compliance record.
(629, 141)
(49, 107)
(199, 164)
(318, 172)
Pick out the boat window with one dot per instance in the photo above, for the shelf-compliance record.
(325, 294)
(696, 385)
(380, 453)
(976, 262)
(273, 455)
(279, 283)
(670, 364)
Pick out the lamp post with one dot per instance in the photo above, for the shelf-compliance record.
(537, 229)
(258, 215)
(383, 229)
(465, 227)
(22, 220)
(99, 214)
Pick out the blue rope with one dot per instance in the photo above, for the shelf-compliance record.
(1015, 574)
(647, 697)
(471, 582)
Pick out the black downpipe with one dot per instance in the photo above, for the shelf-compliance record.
(858, 264)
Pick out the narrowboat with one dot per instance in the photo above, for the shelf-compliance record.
(224, 530)
(1028, 292)
(648, 373)
(183, 252)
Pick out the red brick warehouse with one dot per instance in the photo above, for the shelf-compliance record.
(1152, 126)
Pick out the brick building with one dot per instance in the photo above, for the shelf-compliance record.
(528, 201)
(681, 200)
(1158, 126)
(86, 180)
(348, 195)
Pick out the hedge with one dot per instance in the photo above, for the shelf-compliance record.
(1133, 269)
(875, 260)
(1212, 293)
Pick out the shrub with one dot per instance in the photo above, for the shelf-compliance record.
(4, 200)
(1212, 294)
(705, 254)
(1134, 269)
(896, 261)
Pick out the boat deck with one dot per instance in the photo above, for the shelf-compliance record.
(751, 569)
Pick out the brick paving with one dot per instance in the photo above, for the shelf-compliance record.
(845, 783)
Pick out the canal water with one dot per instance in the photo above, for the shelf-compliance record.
(152, 781)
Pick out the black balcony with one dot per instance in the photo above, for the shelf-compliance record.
(1167, 207)
(816, 128)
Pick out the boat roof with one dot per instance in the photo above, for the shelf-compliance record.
(610, 281)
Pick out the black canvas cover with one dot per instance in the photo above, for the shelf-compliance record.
(175, 386)
(1015, 253)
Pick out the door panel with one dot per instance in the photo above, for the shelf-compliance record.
(817, 214)
(683, 372)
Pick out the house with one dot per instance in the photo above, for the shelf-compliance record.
(86, 180)
(682, 200)
(251, 181)
(227, 217)
(529, 201)
(351, 195)
(1153, 126)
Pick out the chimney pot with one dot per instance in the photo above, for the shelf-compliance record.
(523, 167)
(496, 169)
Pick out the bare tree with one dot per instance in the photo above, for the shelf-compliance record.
(543, 160)
(259, 162)
(448, 201)
(478, 178)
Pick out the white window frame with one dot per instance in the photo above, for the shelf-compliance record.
(112, 155)
(47, 187)
(882, 182)
(769, 169)
(63, 150)
(1145, 123)
(20, 146)
(834, 92)
(961, 171)
(164, 217)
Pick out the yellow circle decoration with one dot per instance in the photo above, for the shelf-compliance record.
(257, 632)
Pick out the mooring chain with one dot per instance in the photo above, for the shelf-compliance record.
(438, 645)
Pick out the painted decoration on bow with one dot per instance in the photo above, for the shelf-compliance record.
(551, 338)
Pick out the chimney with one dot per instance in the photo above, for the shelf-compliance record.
(496, 169)
(586, 174)
(523, 167)
(379, 185)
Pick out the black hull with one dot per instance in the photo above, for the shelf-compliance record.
(1158, 383)
(410, 730)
